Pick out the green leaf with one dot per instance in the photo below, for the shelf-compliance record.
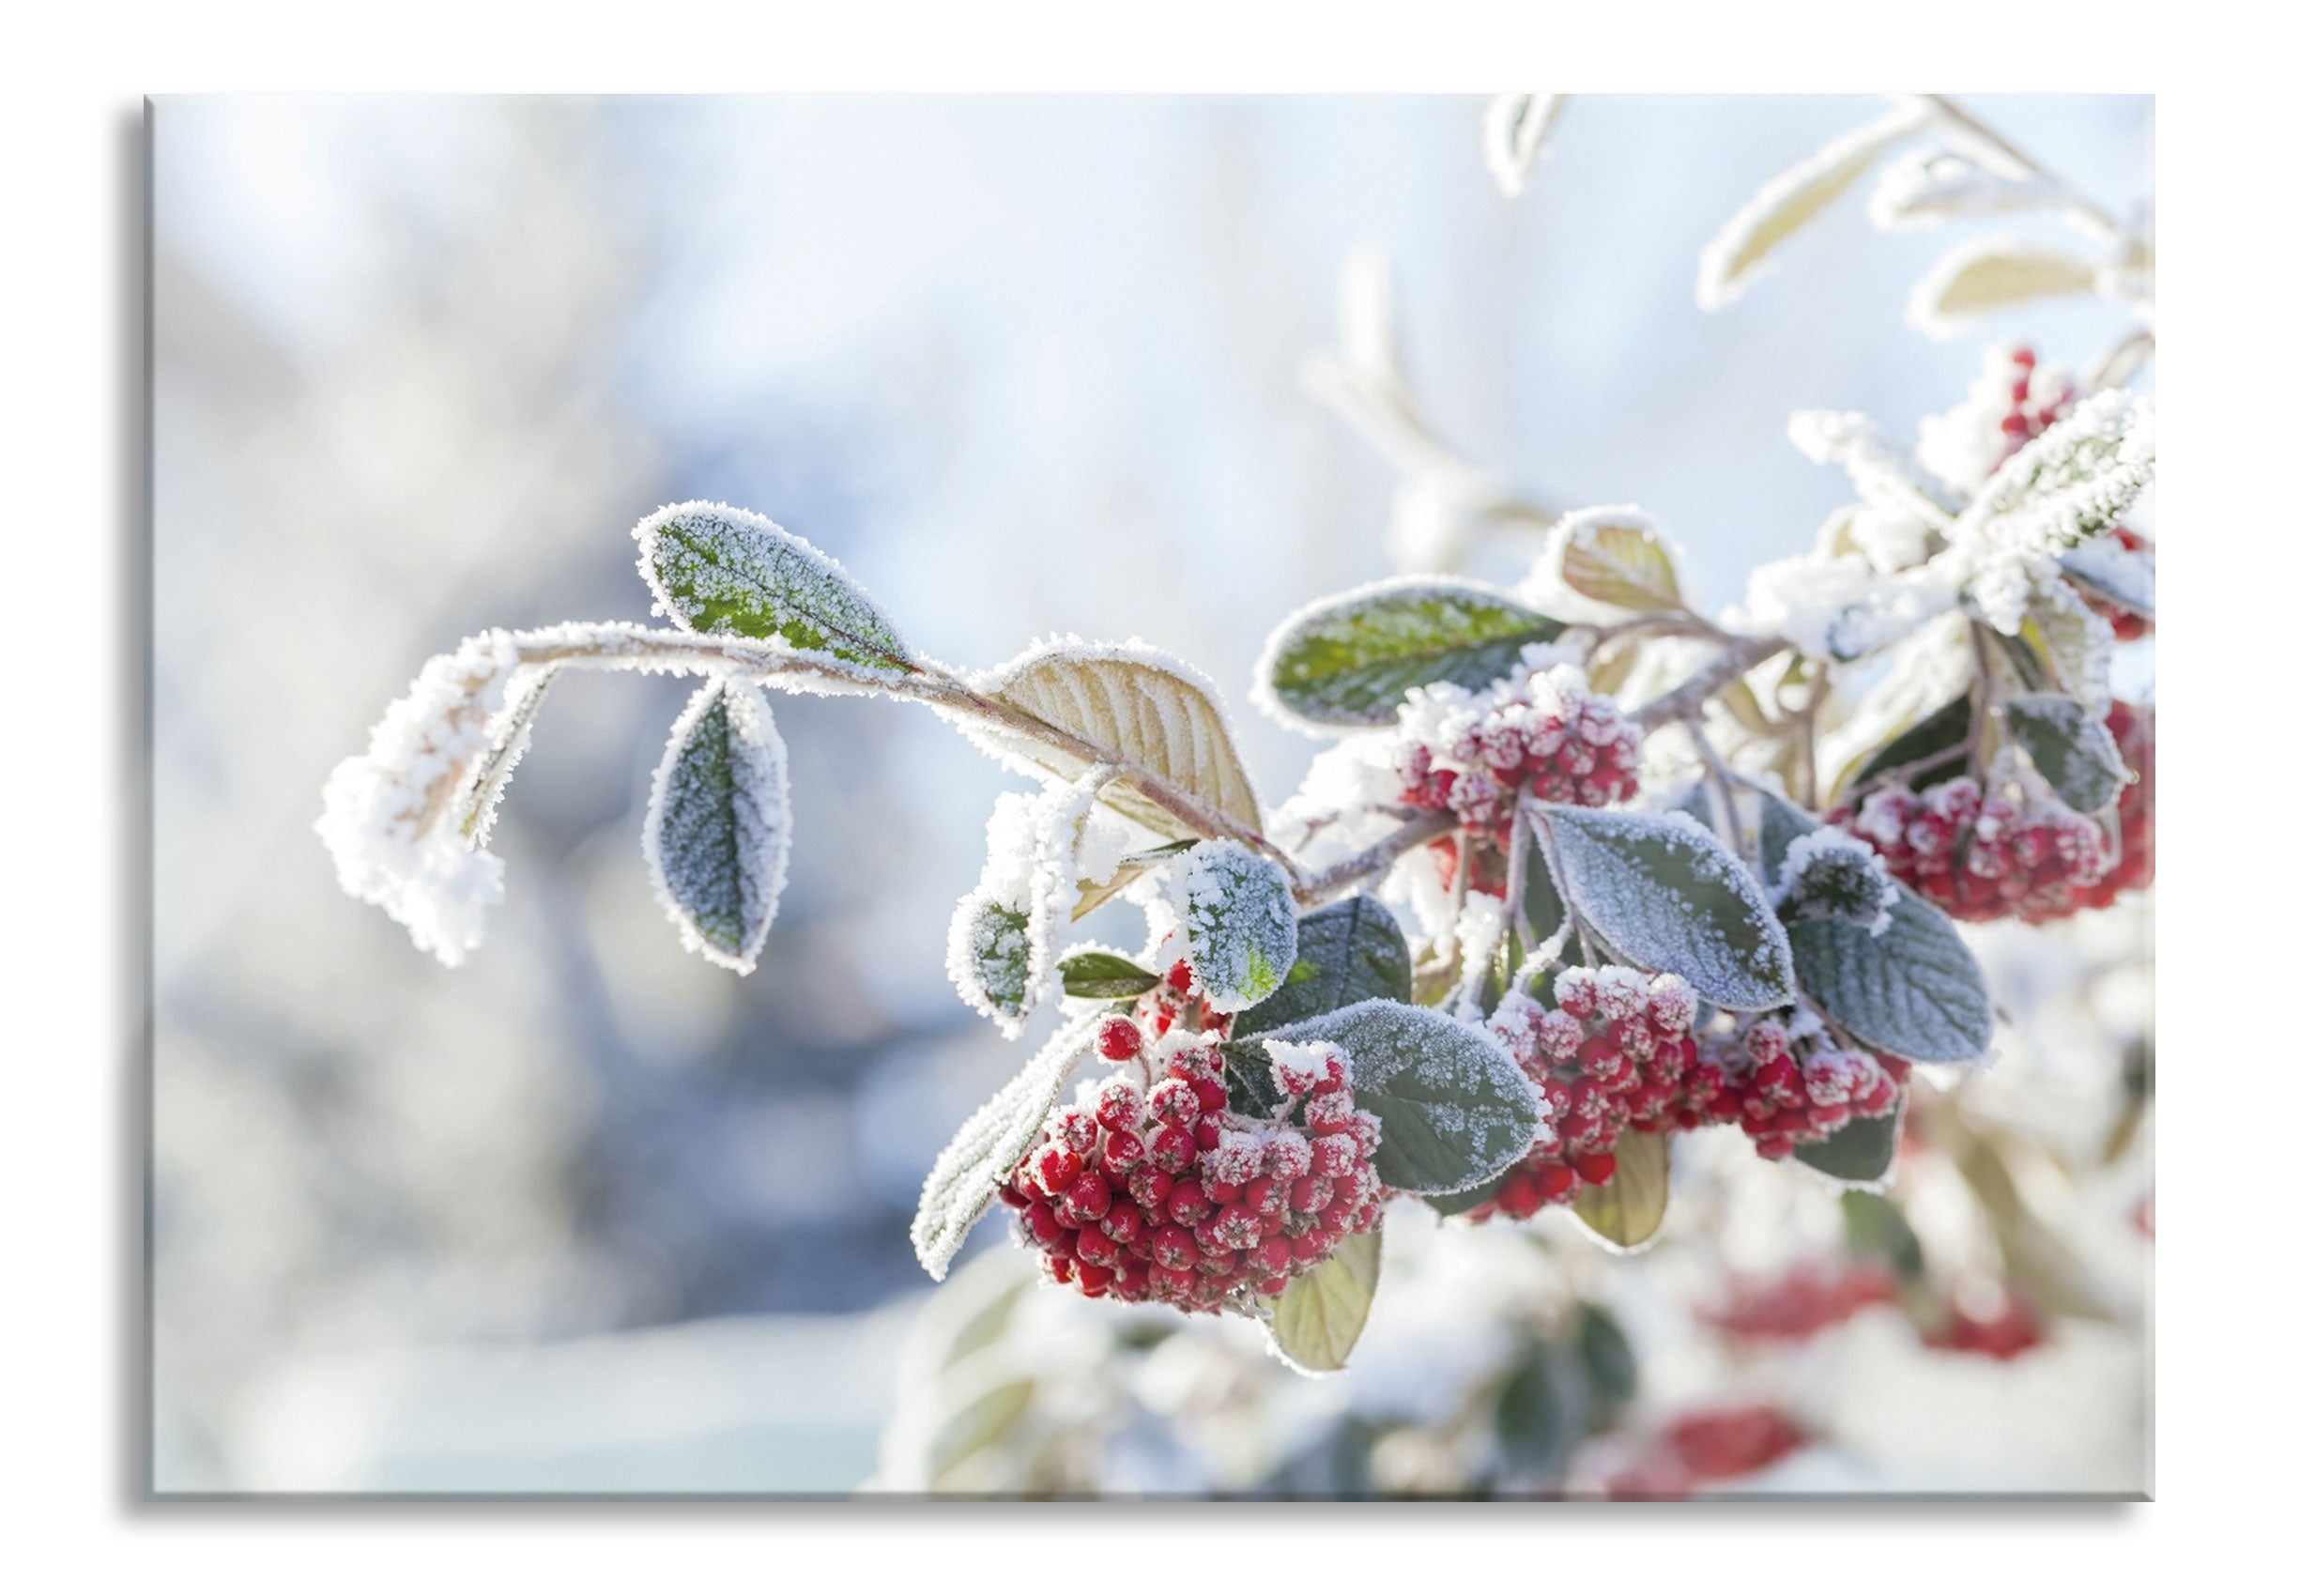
(1916, 991)
(989, 1146)
(1665, 894)
(1452, 1202)
(1318, 1318)
(2070, 750)
(1607, 1357)
(1237, 923)
(1532, 1416)
(1345, 952)
(717, 569)
(1860, 1152)
(1946, 727)
(1874, 1225)
(1625, 1213)
(1541, 903)
(1455, 1109)
(1099, 975)
(1348, 661)
(1616, 557)
(717, 832)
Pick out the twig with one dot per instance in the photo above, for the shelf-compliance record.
(1329, 882)
(1684, 702)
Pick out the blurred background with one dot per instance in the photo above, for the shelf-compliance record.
(589, 1214)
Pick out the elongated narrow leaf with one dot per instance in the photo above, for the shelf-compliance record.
(2070, 643)
(1668, 896)
(1792, 200)
(1616, 557)
(1346, 953)
(987, 1147)
(1916, 991)
(1137, 709)
(2070, 748)
(508, 735)
(717, 837)
(1349, 660)
(714, 568)
(1988, 275)
(1626, 1212)
(1094, 974)
(1455, 1109)
(1237, 923)
(1860, 1153)
(1317, 1320)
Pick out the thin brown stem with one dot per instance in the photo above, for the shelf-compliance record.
(1685, 702)
(1375, 861)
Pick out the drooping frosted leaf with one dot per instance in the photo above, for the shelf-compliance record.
(2071, 749)
(1130, 706)
(1454, 1109)
(1976, 280)
(1916, 991)
(1730, 261)
(1859, 1155)
(1626, 1212)
(1668, 895)
(1345, 952)
(714, 568)
(989, 958)
(1617, 556)
(1237, 914)
(508, 735)
(2125, 577)
(994, 1138)
(1927, 186)
(1316, 1321)
(1515, 125)
(718, 837)
(1349, 660)
(1095, 973)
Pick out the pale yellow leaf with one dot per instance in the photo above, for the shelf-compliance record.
(1626, 1211)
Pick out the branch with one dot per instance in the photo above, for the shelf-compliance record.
(1327, 883)
(2094, 218)
(1684, 702)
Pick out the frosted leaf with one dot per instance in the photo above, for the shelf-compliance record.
(1136, 708)
(393, 817)
(1833, 875)
(1001, 954)
(2125, 577)
(718, 836)
(2070, 747)
(1730, 261)
(1665, 894)
(1927, 187)
(1827, 603)
(2073, 641)
(1235, 912)
(1880, 474)
(1976, 280)
(714, 568)
(1617, 556)
(1625, 1213)
(1349, 660)
(1455, 1109)
(1318, 1319)
(1344, 953)
(508, 735)
(987, 1147)
(1515, 125)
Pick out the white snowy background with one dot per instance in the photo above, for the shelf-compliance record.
(591, 1213)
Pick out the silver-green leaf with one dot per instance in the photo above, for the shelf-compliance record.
(718, 836)
(1349, 661)
(717, 569)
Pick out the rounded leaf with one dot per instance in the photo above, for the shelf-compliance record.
(1344, 953)
(1349, 661)
(1318, 1318)
(1626, 1212)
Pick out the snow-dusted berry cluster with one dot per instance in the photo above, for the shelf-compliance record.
(1178, 1000)
(2012, 402)
(1984, 855)
(1541, 731)
(1609, 1058)
(1785, 1089)
(1152, 1188)
(2134, 726)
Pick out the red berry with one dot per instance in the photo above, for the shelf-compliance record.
(1118, 1041)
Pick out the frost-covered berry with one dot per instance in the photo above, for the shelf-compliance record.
(1118, 1041)
(1170, 1196)
(1984, 855)
(2134, 726)
(1785, 1089)
(1541, 732)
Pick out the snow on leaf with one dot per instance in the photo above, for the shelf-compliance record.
(1916, 991)
(1976, 280)
(1515, 127)
(1454, 1109)
(1625, 1213)
(1236, 910)
(1317, 1320)
(1668, 896)
(1881, 474)
(1927, 186)
(1617, 556)
(2125, 577)
(390, 817)
(1134, 707)
(1832, 875)
(2073, 483)
(1345, 952)
(1002, 955)
(1730, 261)
(2071, 640)
(714, 568)
(1348, 661)
(1859, 1155)
(987, 1147)
(2070, 748)
(508, 734)
(718, 836)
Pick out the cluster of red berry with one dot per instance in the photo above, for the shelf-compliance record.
(1708, 1446)
(2134, 726)
(2036, 404)
(2003, 1335)
(1610, 1057)
(1176, 999)
(1161, 1192)
(1546, 734)
(1983, 857)
(1802, 1301)
(1785, 1091)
